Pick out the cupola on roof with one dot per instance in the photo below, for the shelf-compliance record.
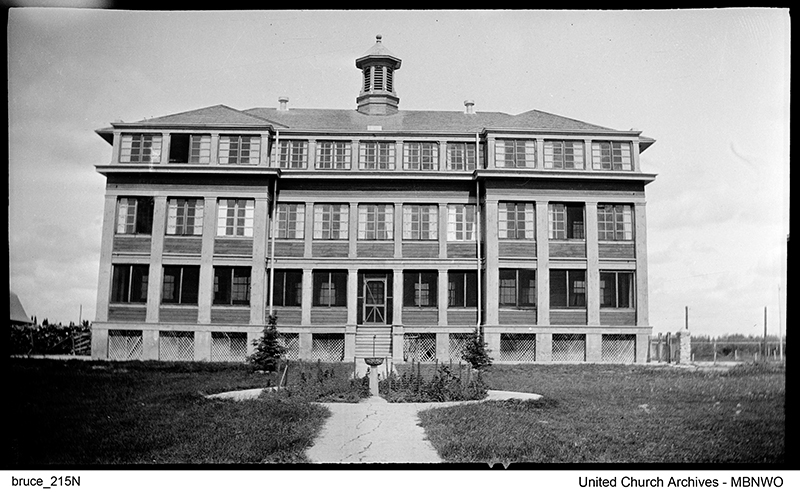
(377, 96)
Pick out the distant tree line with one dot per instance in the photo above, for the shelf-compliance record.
(47, 338)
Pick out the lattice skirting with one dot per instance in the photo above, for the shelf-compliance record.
(327, 347)
(419, 347)
(517, 347)
(124, 344)
(458, 342)
(228, 347)
(619, 348)
(569, 348)
(290, 341)
(176, 345)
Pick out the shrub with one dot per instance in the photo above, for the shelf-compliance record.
(269, 350)
(321, 383)
(443, 385)
(475, 352)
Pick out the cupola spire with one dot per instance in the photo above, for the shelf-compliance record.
(377, 94)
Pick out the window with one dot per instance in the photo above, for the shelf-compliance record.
(239, 149)
(516, 220)
(421, 222)
(330, 289)
(461, 223)
(567, 288)
(378, 78)
(135, 215)
(421, 156)
(566, 221)
(376, 155)
(517, 288)
(376, 222)
(333, 155)
(232, 285)
(462, 289)
(563, 154)
(291, 221)
(616, 289)
(140, 147)
(287, 288)
(331, 221)
(180, 285)
(293, 154)
(185, 216)
(129, 283)
(614, 222)
(515, 153)
(461, 156)
(235, 217)
(419, 289)
(613, 156)
(194, 149)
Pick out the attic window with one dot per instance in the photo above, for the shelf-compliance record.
(194, 149)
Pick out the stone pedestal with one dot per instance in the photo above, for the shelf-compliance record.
(373, 363)
(684, 352)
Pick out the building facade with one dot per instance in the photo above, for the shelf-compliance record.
(373, 231)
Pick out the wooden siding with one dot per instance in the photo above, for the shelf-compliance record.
(382, 341)
(568, 317)
(517, 249)
(467, 316)
(287, 316)
(131, 244)
(617, 318)
(287, 249)
(330, 249)
(517, 316)
(127, 313)
(462, 250)
(616, 250)
(182, 245)
(417, 316)
(239, 316)
(567, 250)
(328, 315)
(420, 249)
(375, 249)
(172, 314)
(225, 246)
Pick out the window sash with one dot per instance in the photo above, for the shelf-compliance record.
(376, 222)
(376, 155)
(461, 156)
(333, 155)
(515, 153)
(421, 222)
(235, 217)
(517, 288)
(287, 288)
(331, 221)
(421, 156)
(612, 156)
(232, 285)
(563, 154)
(291, 221)
(420, 289)
(462, 289)
(200, 149)
(461, 222)
(135, 215)
(330, 289)
(614, 222)
(239, 149)
(516, 221)
(129, 284)
(567, 289)
(185, 217)
(292, 154)
(566, 221)
(140, 147)
(180, 285)
(616, 290)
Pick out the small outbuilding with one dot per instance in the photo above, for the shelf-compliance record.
(17, 312)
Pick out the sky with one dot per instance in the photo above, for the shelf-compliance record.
(710, 86)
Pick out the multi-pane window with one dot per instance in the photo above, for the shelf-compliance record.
(421, 156)
(292, 154)
(563, 154)
(461, 156)
(567, 288)
(333, 155)
(192, 149)
(135, 215)
(235, 217)
(376, 222)
(287, 288)
(330, 288)
(517, 288)
(129, 283)
(239, 149)
(331, 221)
(516, 220)
(140, 147)
(462, 289)
(232, 285)
(185, 216)
(614, 222)
(376, 155)
(420, 222)
(461, 222)
(566, 221)
(291, 221)
(419, 289)
(613, 156)
(515, 153)
(616, 289)
(180, 285)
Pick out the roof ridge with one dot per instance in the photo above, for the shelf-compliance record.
(563, 117)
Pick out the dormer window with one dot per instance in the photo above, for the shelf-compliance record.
(239, 149)
(192, 149)
(612, 156)
(515, 153)
(140, 147)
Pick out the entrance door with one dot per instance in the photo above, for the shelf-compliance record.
(375, 300)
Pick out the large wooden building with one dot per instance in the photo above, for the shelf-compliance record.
(373, 230)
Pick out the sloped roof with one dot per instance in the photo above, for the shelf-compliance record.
(219, 115)
(16, 311)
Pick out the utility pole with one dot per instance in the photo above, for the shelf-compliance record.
(766, 351)
(686, 323)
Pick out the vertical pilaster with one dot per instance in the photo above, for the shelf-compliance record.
(264, 158)
(312, 154)
(543, 268)
(308, 232)
(442, 295)
(99, 344)
(214, 158)
(642, 345)
(397, 297)
(150, 344)
(156, 251)
(594, 347)
(116, 146)
(539, 153)
(258, 276)
(544, 347)
(640, 231)
(587, 153)
(350, 342)
(205, 292)
(592, 266)
(398, 230)
(492, 341)
(490, 154)
(106, 268)
(352, 296)
(252, 336)
(443, 347)
(307, 297)
(355, 152)
(442, 230)
(305, 340)
(202, 345)
(492, 264)
(165, 143)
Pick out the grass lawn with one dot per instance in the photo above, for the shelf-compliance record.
(624, 414)
(119, 413)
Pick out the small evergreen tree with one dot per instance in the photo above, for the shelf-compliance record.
(268, 348)
(475, 352)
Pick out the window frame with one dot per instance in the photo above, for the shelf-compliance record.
(372, 227)
(287, 288)
(525, 297)
(290, 221)
(376, 155)
(415, 217)
(324, 228)
(613, 157)
(524, 213)
(463, 229)
(180, 286)
(618, 294)
(562, 221)
(139, 220)
(620, 227)
(335, 294)
(182, 221)
(241, 223)
(571, 293)
(122, 277)
(420, 156)
(523, 153)
(414, 296)
(253, 149)
(195, 146)
(233, 296)
(556, 154)
(293, 154)
(468, 159)
(338, 156)
(462, 289)
(149, 145)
